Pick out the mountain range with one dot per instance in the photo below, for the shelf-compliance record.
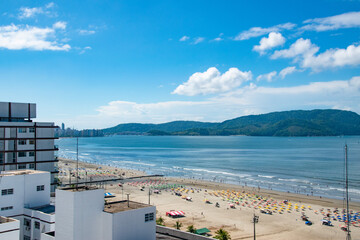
(327, 122)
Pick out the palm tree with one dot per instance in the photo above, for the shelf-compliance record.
(160, 221)
(222, 234)
(191, 229)
(178, 225)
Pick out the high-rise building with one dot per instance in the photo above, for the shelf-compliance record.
(63, 126)
(25, 144)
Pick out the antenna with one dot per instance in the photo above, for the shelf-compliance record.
(348, 236)
(77, 163)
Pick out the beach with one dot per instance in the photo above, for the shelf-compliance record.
(284, 223)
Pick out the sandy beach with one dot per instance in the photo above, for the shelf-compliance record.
(284, 223)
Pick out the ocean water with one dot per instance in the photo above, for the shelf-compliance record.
(306, 165)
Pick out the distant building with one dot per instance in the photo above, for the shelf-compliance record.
(81, 214)
(25, 144)
(63, 126)
(25, 204)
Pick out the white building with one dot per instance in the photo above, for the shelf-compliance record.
(25, 144)
(25, 196)
(9, 229)
(82, 214)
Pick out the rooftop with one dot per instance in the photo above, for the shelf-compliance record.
(19, 172)
(6, 220)
(78, 189)
(121, 206)
(48, 209)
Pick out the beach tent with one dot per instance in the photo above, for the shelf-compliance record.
(175, 214)
(202, 231)
(107, 195)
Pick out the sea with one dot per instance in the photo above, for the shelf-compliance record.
(306, 165)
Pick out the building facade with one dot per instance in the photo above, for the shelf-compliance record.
(25, 196)
(25, 144)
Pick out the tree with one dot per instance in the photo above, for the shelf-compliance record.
(191, 229)
(178, 225)
(160, 221)
(222, 234)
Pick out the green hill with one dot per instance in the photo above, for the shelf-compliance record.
(287, 123)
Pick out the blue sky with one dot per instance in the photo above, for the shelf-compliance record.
(94, 64)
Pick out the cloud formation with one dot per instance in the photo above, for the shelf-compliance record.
(304, 52)
(250, 99)
(268, 76)
(86, 32)
(286, 71)
(26, 12)
(198, 40)
(16, 37)
(184, 38)
(212, 81)
(273, 40)
(259, 31)
(345, 20)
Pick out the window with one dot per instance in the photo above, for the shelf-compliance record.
(32, 165)
(31, 130)
(22, 166)
(37, 225)
(21, 154)
(9, 191)
(149, 217)
(40, 188)
(22, 130)
(27, 237)
(31, 141)
(6, 208)
(22, 142)
(31, 154)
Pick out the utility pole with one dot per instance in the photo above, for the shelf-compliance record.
(149, 195)
(348, 236)
(77, 163)
(255, 220)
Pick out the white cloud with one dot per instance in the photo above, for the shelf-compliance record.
(86, 32)
(198, 40)
(303, 51)
(218, 39)
(212, 81)
(247, 100)
(345, 20)
(184, 38)
(268, 77)
(59, 25)
(302, 47)
(26, 12)
(259, 31)
(15, 37)
(273, 40)
(287, 71)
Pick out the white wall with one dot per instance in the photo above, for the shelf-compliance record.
(13, 227)
(78, 214)
(129, 225)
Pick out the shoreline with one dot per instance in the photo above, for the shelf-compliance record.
(279, 195)
(284, 223)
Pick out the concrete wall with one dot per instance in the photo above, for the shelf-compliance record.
(18, 110)
(25, 192)
(10, 230)
(78, 214)
(129, 225)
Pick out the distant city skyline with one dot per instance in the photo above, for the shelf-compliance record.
(95, 64)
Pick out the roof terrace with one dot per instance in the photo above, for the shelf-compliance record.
(121, 206)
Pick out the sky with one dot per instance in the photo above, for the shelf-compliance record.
(95, 64)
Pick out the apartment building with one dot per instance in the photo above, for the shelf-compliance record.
(25, 144)
(25, 197)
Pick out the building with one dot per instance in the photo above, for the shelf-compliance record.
(25, 144)
(63, 126)
(25, 196)
(9, 229)
(82, 213)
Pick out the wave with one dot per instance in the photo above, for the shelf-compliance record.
(264, 176)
